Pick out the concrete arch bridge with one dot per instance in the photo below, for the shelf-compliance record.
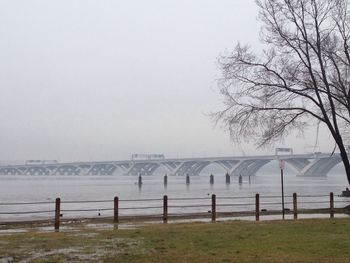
(310, 165)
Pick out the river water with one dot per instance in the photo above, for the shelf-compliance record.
(232, 197)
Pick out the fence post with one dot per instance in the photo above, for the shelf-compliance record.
(295, 206)
(116, 209)
(57, 214)
(331, 201)
(257, 207)
(213, 208)
(165, 209)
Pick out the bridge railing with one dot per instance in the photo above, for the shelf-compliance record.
(207, 208)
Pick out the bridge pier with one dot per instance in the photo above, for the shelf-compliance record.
(140, 180)
(187, 179)
(165, 180)
(211, 180)
(228, 178)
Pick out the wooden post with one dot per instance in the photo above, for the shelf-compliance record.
(257, 207)
(213, 208)
(116, 209)
(165, 209)
(57, 214)
(295, 206)
(282, 188)
(331, 201)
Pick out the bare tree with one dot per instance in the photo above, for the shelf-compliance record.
(300, 79)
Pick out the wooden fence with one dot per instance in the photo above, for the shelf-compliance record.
(165, 204)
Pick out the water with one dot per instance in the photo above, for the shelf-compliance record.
(83, 188)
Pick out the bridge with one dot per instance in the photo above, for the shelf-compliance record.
(309, 165)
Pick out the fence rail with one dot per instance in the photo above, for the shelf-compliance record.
(166, 208)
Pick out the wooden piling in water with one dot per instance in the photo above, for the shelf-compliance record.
(213, 208)
(257, 207)
(140, 180)
(187, 179)
(57, 214)
(295, 206)
(165, 209)
(116, 209)
(331, 204)
(211, 181)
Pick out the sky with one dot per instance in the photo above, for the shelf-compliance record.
(101, 80)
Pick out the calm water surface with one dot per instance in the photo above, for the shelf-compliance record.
(82, 188)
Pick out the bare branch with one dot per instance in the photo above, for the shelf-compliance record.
(303, 75)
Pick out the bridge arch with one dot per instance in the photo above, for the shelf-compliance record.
(169, 167)
(193, 167)
(144, 168)
(102, 169)
(37, 170)
(297, 164)
(122, 168)
(67, 170)
(10, 171)
(249, 167)
(321, 167)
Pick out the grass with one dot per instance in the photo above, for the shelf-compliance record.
(320, 240)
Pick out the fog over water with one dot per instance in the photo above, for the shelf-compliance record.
(89, 80)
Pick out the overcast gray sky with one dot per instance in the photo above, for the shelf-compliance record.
(100, 80)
